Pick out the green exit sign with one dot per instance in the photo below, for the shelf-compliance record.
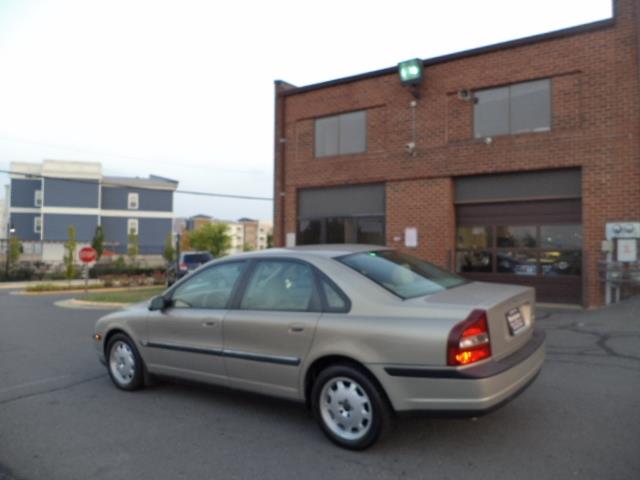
(411, 72)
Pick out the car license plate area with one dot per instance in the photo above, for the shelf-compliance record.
(516, 321)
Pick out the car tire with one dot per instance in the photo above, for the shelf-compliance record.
(124, 363)
(350, 408)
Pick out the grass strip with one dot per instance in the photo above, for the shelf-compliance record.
(122, 296)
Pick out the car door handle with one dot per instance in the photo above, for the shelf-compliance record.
(208, 324)
(296, 328)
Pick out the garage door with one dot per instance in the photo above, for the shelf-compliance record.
(504, 234)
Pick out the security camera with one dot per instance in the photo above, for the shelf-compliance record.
(410, 147)
(464, 94)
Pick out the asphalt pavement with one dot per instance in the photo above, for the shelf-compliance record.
(61, 418)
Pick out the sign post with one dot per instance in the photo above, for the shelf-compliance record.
(87, 255)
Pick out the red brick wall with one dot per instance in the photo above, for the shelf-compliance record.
(596, 109)
(428, 206)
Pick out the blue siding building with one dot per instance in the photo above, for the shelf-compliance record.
(46, 199)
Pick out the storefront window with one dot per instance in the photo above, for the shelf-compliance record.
(371, 231)
(474, 237)
(474, 261)
(547, 250)
(561, 236)
(561, 263)
(517, 262)
(342, 230)
(310, 232)
(516, 237)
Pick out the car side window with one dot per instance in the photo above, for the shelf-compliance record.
(211, 288)
(279, 285)
(336, 302)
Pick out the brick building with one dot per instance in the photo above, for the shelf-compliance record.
(504, 164)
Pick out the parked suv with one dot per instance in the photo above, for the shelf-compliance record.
(187, 262)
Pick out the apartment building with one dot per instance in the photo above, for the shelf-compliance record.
(46, 198)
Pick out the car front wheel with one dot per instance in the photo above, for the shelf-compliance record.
(124, 363)
(349, 407)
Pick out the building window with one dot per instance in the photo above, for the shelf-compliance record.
(532, 250)
(341, 134)
(519, 108)
(132, 226)
(368, 230)
(37, 198)
(37, 224)
(133, 201)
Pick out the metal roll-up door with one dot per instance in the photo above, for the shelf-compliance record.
(505, 234)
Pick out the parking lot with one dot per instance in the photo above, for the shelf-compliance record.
(61, 418)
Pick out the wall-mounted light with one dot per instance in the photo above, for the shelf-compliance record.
(411, 72)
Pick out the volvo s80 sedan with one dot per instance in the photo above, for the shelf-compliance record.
(357, 332)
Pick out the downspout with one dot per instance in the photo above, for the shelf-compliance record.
(280, 143)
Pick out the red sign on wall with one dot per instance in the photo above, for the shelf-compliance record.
(88, 254)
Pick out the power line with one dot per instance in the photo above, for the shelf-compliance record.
(183, 192)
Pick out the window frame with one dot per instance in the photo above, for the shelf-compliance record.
(37, 198)
(37, 225)
(538, 251)
(339, 152)
(355, 218)
(509, 109)
(136, 196)
(315, 304)
(168, 296)
(323, 277)
(137, 226)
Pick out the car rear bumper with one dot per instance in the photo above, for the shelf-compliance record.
(472, 389)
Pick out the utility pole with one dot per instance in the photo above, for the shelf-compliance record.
(177, 253)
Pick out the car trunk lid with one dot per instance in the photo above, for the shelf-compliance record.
(510, 311)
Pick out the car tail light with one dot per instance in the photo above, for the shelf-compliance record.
(469, 340)
(183, 266)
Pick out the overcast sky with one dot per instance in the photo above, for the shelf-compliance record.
(184, 88)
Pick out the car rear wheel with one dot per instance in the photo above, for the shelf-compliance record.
(124, 363)
(349, 407)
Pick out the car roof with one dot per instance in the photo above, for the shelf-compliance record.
(328, 251)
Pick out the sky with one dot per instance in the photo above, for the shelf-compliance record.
(184, 88)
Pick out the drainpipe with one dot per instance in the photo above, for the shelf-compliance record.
(280, 143)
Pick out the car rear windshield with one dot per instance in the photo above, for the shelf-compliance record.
(197, 258)
(402, 274)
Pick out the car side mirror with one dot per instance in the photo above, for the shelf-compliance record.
(158, 303)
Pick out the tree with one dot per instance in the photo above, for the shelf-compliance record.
(98, 241)
(246, 247)
(169, 252)
(212, 237)
(185, 241)
(15, 249)
(270, 240)
(133, 247)
(70, 253)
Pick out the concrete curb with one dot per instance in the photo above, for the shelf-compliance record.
(84, 305)
(81, 290)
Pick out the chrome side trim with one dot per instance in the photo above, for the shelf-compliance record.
(256, 357)
(259, 357)
(182, 348)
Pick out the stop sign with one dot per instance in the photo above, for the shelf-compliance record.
(88, 254)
